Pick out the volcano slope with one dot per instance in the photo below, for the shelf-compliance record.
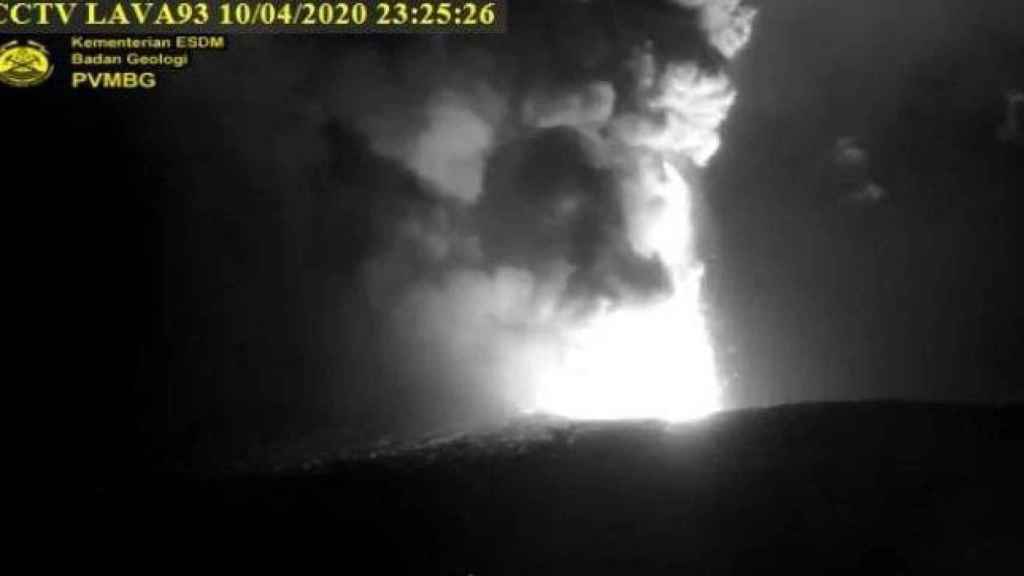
(866, 488)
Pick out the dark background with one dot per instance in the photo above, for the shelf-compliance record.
(916, 296)
(173, 333)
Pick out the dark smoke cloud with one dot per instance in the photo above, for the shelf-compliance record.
(853, 167)
(1010, 129)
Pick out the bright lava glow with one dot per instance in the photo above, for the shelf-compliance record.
(651, 361)
(654, 359)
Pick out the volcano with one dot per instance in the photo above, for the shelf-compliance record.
(868, 488)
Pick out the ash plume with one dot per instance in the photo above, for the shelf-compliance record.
(562, 211)
(513, 200)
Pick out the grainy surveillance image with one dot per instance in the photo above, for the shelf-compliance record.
(529, 286)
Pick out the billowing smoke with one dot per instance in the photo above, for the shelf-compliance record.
(504, 223)
(727, 23)
(555, 265)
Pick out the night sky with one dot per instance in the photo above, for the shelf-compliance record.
(915, 295)
(216, 253)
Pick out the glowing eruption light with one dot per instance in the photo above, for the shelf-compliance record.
(646, 361)
(653, 359)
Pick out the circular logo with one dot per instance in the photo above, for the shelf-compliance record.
(23, 65)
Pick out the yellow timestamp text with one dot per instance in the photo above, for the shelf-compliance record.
(360, 13)
(252, 15)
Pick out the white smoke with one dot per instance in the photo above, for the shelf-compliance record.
(590, 106)
(451, 152)
(727, 22)
(681, 114)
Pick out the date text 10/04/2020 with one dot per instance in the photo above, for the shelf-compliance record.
(378, 14)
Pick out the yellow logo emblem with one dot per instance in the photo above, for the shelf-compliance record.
(23, 65)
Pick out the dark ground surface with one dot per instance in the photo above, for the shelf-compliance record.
(857, 488)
